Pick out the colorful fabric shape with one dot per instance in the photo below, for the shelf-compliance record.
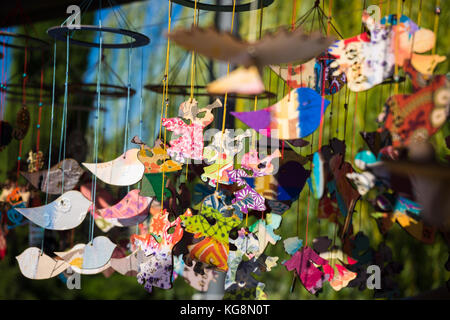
(414, 118)
(295, 116)
(156, 159)
(303, 262)
(198, 224)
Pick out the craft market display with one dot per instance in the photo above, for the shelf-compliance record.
(199, 202)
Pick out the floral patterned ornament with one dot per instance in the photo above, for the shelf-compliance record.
(189, 144)
(264, 230)
(156, 159)
(220, 154)
(246, 244)
(295, 116)
(416, 117)
(218, 201)
(304, 261)
(157, 246)
(198, 281)
(259, 168)
(411, 41)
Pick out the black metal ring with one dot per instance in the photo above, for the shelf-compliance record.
(224, 8)
(183, 90)
(60, 33)
(107, 90)
(38, 43)
(46, 90)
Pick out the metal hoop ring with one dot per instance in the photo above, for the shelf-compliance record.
(225, 8)
(60, 33)
(38, 43)
(90, 89)
(46, 90)
(183, 90)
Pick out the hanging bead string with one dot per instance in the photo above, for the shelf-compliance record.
(437, 12)
(225, 99)
(3, 79)
(165, 101)
(24, 104)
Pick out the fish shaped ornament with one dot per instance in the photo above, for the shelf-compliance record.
(131, 210)
(414, 118)
(122, 171)
(67, 171)
(295, 116)
(246, 244)
(220, 155)
(189, 144)
(157, 245)
(198, 281)
(66, 212)
(91, 258)
(36, 265)
(213, 249)
(411, 41)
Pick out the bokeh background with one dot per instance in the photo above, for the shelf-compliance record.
(423, 264)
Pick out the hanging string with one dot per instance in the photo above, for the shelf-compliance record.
(62, 140)
(225, 99)
(192, 58)
(140, 116)
(97, 118)
(324, 65)
(165, 101)
(50, 140)
(437, 12)
(396, 44)
(24, 104)
(40, 108)
(127, 112)
(166, 69)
